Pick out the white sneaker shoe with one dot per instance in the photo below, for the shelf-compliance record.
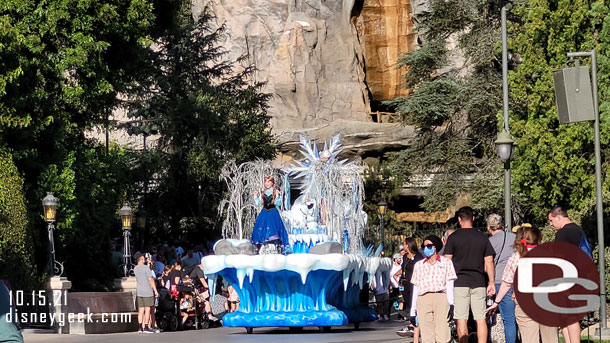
(386, 318)
(405, 332)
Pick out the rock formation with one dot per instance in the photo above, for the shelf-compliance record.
(324, 62)
(306, 51)
(385, 30)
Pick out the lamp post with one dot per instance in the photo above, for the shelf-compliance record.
(49, 203)
(505, 141)
(382, 207)
(126, 219)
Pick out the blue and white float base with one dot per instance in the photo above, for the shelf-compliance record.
(296, 290)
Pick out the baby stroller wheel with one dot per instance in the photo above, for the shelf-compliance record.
(173, 323)
(162, 323)
(204, 324)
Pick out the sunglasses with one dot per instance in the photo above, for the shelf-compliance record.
(429, 246)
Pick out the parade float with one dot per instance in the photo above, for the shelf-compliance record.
(315, 278)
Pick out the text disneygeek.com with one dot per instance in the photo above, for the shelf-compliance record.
(62, 318)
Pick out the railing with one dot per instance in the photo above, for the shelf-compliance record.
(385, 117)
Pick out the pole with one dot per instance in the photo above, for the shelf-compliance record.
(51, 250)
(598, 195)
(381, 224)
(507, 195)
(107, 134)
(598, 186)
(144, 230)
(126, 253)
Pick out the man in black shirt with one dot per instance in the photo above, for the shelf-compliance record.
(571, 233)
(472, 255)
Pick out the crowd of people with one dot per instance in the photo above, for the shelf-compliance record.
(463, 275)
(467, 274)
(170, 268)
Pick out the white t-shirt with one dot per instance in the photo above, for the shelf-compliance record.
(395, 269)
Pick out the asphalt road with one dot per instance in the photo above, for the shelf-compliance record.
(368, 332)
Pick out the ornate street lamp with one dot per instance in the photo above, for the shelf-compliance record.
(126, 220)
(49, 203)
(382, 207)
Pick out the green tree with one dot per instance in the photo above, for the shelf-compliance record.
(555, 163)
(62, 65)
(207, 111)
(454, 107)
(91, 185)
(16, 260)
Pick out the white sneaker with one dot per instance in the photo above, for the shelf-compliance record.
(385, 318)
(405, 332)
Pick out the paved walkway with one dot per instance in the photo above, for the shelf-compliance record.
(369, 332)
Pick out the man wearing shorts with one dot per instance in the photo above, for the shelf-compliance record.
(472, 256)
(146, 292)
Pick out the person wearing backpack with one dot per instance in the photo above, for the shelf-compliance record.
(571, 233)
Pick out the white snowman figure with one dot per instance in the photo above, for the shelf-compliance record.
(311, 215)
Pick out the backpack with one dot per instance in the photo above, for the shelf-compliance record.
(584, 245)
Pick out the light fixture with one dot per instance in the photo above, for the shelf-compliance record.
(141, 219)
(505, 144)
(126, 216)
(382, 207)
(49, 203)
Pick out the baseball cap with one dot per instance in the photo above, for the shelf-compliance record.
(396, 256)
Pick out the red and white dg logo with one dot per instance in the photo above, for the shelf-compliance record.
(557, 284)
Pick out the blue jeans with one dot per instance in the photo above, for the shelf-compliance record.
(507, 310)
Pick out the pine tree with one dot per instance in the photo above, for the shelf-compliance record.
(207, 112)
(454, 107)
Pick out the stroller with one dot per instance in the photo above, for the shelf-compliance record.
(168, 314)
(490, 320)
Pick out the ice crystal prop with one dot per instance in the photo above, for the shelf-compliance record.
(335, 186)
(238, 208)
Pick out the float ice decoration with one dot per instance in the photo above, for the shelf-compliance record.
(319, 282)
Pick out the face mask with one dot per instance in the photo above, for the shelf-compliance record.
(429, 251)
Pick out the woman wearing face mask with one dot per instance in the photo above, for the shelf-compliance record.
(410, 258)
(531, 332)
(433, 293)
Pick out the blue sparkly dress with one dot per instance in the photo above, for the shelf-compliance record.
(269, 226)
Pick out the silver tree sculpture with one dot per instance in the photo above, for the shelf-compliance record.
(238, 209)
(337, 188)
